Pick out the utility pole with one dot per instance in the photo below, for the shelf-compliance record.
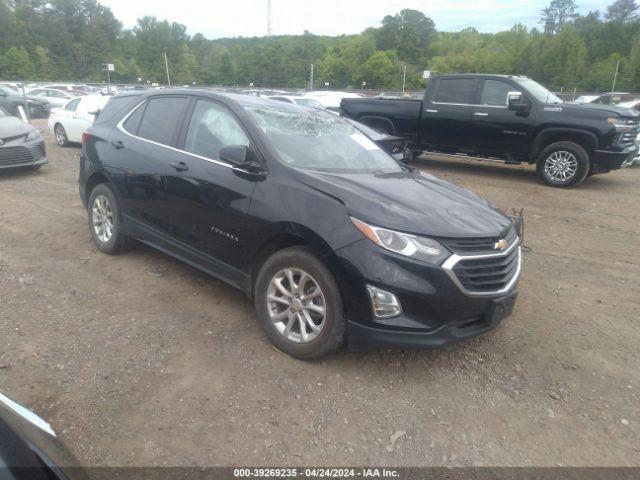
(166, 66)
(404, 78)
(268, 18)
(615, 77)
(311, 79)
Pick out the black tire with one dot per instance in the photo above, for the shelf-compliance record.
(117, 242)
(333, 332)
(61, 135)
(574, 152)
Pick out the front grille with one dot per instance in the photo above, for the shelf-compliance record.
(487, 274)
(468, 246)
(628, 137)
(20, 155)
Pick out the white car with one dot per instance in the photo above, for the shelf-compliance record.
(331, 100)
(586, 99)
(305, 102)
(56, 98)
(109, 90)
(71, 121)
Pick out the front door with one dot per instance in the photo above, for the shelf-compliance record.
(209, 200)
(496, 129)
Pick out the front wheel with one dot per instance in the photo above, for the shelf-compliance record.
(298, 301)
(563, 164)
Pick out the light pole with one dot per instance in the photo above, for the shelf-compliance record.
(615, 77)
(166, 66)
(404, 78)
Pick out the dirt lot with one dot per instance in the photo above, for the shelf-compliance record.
(140, 360)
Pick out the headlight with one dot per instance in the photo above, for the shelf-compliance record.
(32, 136)
(621, 125)
(420, 248)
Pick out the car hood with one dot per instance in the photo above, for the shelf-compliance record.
(13, 127)
(596, 107)
(412, 202)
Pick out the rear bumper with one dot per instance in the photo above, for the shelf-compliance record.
(606, 160)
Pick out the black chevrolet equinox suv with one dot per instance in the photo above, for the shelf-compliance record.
(332, 238)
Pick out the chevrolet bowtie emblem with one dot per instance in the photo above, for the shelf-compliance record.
(501, 244)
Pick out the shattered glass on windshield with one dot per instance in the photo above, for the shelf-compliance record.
(321, 141)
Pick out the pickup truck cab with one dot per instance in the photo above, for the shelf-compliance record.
(509, 118)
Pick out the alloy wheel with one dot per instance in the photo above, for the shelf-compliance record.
(61, 138)
(102, 217)
(561, 166)
(296, 305)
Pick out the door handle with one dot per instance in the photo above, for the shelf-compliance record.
(429, 110)
(179, 166)
(118, 145)
(481, 114)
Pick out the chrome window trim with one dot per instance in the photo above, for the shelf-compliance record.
(453, 260)
(469, 105)
(120, 126)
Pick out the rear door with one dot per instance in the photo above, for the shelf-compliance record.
(447, 113)
(142, 148)
(209, 201)
(496, 129)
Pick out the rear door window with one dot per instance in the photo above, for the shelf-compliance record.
(456, 90)
(162, 119)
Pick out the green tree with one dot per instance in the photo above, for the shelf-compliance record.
(16, 64)
(378, 70)
(622, 11)
(557, 14)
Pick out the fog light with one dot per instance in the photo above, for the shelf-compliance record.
(385, 304)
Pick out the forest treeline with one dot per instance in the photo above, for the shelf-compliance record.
(72, 39)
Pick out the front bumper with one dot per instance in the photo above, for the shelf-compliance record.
(363, 338)
(606, 160)
(436, 311)
(19, 154)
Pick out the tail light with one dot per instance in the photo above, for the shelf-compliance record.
(85, 136)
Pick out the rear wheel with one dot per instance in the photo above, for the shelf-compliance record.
(61, 135)
(563, 164)
(104, 221)
(299, 304)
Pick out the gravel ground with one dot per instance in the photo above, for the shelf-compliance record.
(141, 360)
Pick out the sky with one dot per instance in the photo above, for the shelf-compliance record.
(248, 18)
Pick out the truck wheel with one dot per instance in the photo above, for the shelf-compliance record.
(563, 164)
(299, 304)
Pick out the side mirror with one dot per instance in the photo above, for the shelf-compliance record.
(234, 154)
(515, 102)
(242, 158)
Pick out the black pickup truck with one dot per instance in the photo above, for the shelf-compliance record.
(507, 118)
